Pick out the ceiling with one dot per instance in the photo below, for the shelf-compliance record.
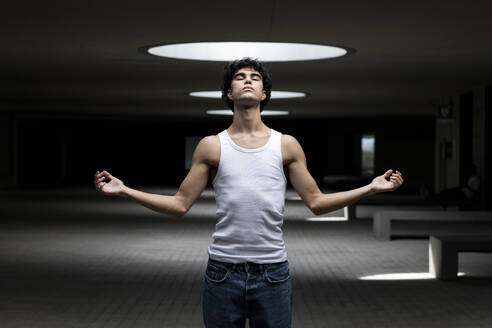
(83, 57)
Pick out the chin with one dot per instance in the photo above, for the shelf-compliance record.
(248, 101)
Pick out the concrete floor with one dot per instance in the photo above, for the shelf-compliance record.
(77, 258)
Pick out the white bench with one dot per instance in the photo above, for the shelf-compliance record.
(381, 224)
(443, 253)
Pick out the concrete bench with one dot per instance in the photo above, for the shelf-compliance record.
(443, 253)
(365, 208)
(367, 211)
(382, 220)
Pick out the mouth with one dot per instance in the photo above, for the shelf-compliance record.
(248, 89)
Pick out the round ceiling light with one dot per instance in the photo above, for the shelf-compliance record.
(263, 51)
(274, 94)
(229, 112)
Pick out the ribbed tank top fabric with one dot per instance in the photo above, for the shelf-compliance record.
(250, 194)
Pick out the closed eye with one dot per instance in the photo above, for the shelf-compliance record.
(239, 76)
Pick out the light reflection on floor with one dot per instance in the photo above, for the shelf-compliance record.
(404, 276)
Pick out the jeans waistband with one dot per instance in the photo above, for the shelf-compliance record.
(245, 267)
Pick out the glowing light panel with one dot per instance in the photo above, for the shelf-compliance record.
(273, 95)
(264, 51)
(263, 113)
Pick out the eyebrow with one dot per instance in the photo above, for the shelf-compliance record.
(242, 73)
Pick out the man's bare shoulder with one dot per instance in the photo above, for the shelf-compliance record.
(210, 141)
(290, 143)
(291, 148)
(208, 150)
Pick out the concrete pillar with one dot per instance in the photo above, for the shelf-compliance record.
(447, 142)
(479, 134)
(447, 137)
(443, 260)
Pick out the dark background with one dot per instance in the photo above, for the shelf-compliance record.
(67, 152)
(78, 94)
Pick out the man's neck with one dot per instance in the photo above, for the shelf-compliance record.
(247, 120)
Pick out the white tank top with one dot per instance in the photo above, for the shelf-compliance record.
(250, 194)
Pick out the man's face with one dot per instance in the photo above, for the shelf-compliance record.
(246, 87)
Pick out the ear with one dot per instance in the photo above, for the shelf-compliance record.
(263, 95)
(229, 94)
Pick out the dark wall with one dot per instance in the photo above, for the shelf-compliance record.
(488, 145)
(60, 152)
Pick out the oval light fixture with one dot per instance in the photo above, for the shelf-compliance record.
(264, 51)
(229, 112)
(273, 95)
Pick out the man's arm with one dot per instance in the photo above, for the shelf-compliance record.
(188, 192)
(320, 203)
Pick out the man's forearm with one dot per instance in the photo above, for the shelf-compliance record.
(325, 203)
(169, 205)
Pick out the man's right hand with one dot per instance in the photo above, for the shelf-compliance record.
(112, 186)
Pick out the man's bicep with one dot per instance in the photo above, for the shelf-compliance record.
(303, 182)
(193, 184)
(299, 176)
(197, 178)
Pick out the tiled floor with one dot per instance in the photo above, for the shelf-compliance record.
(80, 259)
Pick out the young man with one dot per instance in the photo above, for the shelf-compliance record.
(247, 275)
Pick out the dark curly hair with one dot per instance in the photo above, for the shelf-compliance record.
(231, 69)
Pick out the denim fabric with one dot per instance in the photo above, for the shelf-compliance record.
(259, 292)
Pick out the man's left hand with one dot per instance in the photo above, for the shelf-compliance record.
(389, 181)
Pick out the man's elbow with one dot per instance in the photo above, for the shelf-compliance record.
(314, 206)
(180, 208)
(317, 211)
(181, 211)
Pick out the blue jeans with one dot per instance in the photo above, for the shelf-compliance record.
(259, 292)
